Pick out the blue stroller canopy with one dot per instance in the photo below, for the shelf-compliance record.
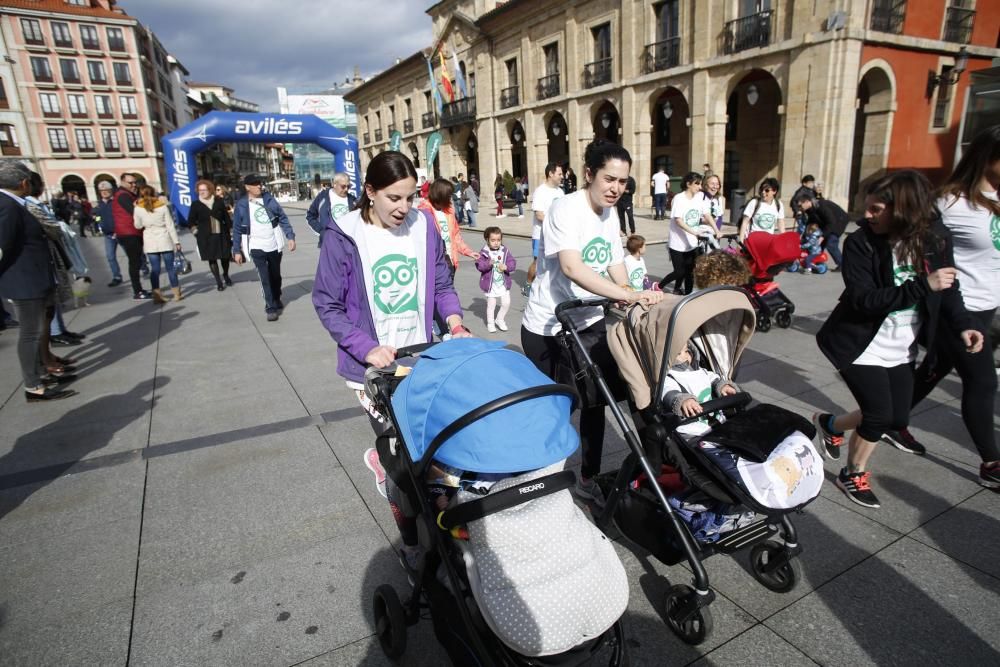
(457, 376)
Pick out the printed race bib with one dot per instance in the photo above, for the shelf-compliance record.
(395, 286)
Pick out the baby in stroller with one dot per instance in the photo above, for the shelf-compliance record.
(507, 553)
(688, 385)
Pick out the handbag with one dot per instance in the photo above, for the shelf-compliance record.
(181, 264)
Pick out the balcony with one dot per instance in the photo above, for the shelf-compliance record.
(427, 120)
(748, 32)
(366, 138)
(887, 16)
(548, 86)
(597, 73)
(510, 97)
(408, 126)
(661, 55)
(378, 135)
(389, 130)
(459, 112)
(958, 25)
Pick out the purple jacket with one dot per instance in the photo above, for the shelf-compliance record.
(341, 301)
(485, 267)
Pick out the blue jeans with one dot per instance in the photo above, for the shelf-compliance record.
(809, 260)
(154, 268)
(520, 209)
(831, 244)
(110, 251)
(660, 203)
(456, 206)
(57, 327)
(471, 216)
(269, 269)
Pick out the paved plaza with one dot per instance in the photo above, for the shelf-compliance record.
(203, 501)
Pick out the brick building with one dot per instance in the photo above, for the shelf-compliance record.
(837, 88)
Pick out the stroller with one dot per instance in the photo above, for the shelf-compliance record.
(511, 554)
(769, 255)
(756, 467)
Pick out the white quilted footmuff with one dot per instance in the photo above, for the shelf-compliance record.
(544, 577)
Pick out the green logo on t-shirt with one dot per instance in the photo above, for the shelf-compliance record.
(597, 252)
(692, 217)
(995, 231)
(260, 216)
(339, 210)
(765, 221)
(636, 278)
(395, 284)
(497, 276)
(900, 275)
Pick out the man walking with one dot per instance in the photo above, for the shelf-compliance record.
(27, 277)
(130, 238)
(541, 200)
(105, 220)
(661, 184)
(330, 204)
(625, 209)
(260, 230)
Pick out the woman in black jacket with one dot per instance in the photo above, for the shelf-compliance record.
(899, 280)
(211, 224)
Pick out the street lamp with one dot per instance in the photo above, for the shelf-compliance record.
(472, 142)
(517, 135)
(605, 120)
(951, 78)
(752, 94)
(668, 110)
(555, 128)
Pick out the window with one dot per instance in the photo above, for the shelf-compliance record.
(88, 37)
(60, 34)
(164, 86)
(32, 31)
(751, 7)
(958, 20)
(8, 140)
(70, 71)
(102, 103)
(78, 3)
(57, 140)
(942, 106)
(50, 104)
(85, 140)
(41, 69)
(666, 20)
(409, 108)
(511, 72)
(110, 138)
(123, 75)
(77, 105)
(551, 59)
(134, 139)
(98, 75)
(888, 15)
(127, 104)
(4, 103)
(116, 39)
(602, 41)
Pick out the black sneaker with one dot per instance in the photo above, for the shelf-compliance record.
(142, 296)
(989, 476)
(904, 441)
(272, 317)
(832, 442)
(856, 486)
(115, 282)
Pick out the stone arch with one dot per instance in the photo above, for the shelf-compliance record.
(753, 130)
(73, 183)
(557, 133)
(670, 144)
(875, 109)
(518, 148)
(606, 120)
(105, 177)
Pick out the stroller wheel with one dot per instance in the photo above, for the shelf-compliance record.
(783, 319)
(763, 323)
(697, 626)
(780, 579)
(390, 621)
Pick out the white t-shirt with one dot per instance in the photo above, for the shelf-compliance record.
(497, 286)
(976, 234)
(690, 210)
(542, 201)
(395, 297)
(661, 182)
(442, 221)
(635, 267)
(895, 342)
(767, 217)
(571, 224)
(338, 205)
(261, 232)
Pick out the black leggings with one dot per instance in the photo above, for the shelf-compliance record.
(626, 213)
(683, 263)
(133, 250)
(213, 265)
(883, 394)
(547, 355)
(979, 382)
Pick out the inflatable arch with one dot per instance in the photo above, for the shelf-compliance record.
(182, 145)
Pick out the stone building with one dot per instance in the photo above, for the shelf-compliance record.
(226, 163)
(843, 89)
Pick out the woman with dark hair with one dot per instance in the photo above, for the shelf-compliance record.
(899, 287)
(971, 212)
(159, 240)
(439, 206)
(688, 212)
(580, 255)
(212, 226)
(765, 212)
(382, 276)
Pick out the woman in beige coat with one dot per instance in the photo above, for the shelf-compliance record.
(159, 240)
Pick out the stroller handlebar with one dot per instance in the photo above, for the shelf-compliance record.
(737, 400)
(562, 310)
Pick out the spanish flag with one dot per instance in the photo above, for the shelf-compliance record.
(446, 86)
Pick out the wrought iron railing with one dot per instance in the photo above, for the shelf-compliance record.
(888, 16)
(509, 97)
(407, 125)
(458, 112)
(391, 129)
(366, 138)
(378, 135)
(548, 86)
(427, 120)
(958, 25)
(661, 55)
(597, 73)
(748, 32)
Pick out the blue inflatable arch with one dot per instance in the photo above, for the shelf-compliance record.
(182, 145)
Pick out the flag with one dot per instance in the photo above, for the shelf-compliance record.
(459, 79)
(445, 82)
(434, 89)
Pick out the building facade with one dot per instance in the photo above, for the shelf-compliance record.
(754, 88)
(226, 163)
(77, 72)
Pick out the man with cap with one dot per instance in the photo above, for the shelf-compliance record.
(260, 232)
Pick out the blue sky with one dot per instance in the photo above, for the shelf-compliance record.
(253, 46)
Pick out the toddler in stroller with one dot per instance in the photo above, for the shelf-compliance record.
(513, 572)
(752, 470)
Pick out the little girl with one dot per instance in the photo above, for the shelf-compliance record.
(635, 265)
(496, 264)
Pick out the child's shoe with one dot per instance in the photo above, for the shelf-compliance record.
(589, 491)
(501, 325)
(491, 328)
(372, 463)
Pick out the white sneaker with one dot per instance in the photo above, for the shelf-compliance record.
(520, 217)
(491, 328)
(589, 491)
(501, 325)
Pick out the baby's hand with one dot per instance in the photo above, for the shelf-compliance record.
(690, 407)
(728, 390)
